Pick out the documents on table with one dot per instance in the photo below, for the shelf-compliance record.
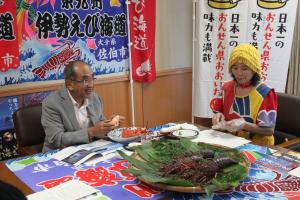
(77, 155)
(94, 161)
(176, 127)
(95, 144)
(70, 190)
(73, 155)
(216, 137)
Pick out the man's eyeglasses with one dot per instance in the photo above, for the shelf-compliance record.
(84, 81)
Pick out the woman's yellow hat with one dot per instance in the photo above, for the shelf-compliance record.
(247, 55)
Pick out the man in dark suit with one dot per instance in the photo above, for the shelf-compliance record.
(74, 114)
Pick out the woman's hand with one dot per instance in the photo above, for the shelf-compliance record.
(217, 118)
(235, 125)
(231, 126)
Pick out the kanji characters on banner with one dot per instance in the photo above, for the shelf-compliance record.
(221, 25)
(49, 34)
(142, 34)
(9, 54)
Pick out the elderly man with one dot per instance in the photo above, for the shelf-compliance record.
(74, 115)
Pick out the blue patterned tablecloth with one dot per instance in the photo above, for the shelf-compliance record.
(268, 177)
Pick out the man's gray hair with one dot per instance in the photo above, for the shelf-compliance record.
(69, 71)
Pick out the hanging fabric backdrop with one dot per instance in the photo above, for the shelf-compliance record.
(9, 51)
(57, 32)
(51, 33)
(142, 34)
(220, 25)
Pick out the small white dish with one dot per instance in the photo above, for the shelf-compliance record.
(185, 133)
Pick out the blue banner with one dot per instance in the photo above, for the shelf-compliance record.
(57, 32)
(8, 105)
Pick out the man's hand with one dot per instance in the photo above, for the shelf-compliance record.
(114, 120)
(121, 121)
(117, 120)
(100, 129)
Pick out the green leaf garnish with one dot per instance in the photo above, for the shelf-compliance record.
(152, 156)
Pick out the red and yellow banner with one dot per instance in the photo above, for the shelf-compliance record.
(142, 34)
(9, 54)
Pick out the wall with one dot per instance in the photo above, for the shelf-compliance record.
(168, 99)
(174, 33)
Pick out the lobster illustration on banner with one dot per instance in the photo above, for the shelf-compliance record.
(288, 184)
(66, 55)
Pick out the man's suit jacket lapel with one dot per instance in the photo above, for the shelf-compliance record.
(68, 106)
(92, 114)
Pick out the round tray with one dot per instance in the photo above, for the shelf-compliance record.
(195, 189)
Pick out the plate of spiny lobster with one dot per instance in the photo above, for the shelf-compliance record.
(187, 168)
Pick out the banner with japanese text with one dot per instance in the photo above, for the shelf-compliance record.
(142, 35)
(35, 98)
(41, 172)
(52, 33)
(9, 53)
(222, 25)
(8, 105)
(8, 142)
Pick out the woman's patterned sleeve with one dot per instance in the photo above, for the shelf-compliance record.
(268, 111)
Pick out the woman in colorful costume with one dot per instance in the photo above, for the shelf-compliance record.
(247, 106)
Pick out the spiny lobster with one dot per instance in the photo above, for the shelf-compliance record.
(68, 54)
(197, 167)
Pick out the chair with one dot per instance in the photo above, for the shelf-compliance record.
(287, 129)
(293, 144)
(29, 130)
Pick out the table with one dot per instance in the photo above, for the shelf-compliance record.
(9, 177)
(263, 182)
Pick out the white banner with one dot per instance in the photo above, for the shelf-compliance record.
(221, 24)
